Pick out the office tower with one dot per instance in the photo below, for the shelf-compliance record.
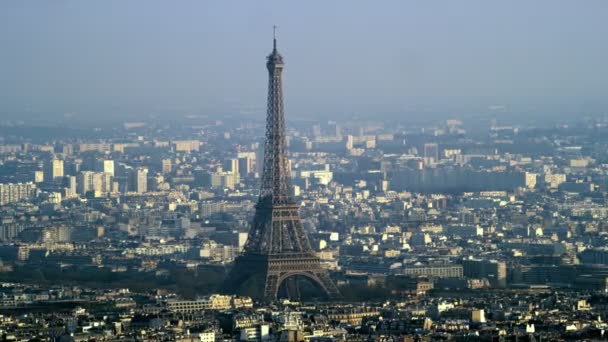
(247, 162)
(232, 166)
(245, 165)
(56, 234)
(54, 169)
(15, 192)
(74, 166)
(213, 179)
(138, 180)
(431, 151)
(228, 180)
(277, 250)
(217, 180)
(105, 165)
(84, 182)
(98, 183)
(70, 186)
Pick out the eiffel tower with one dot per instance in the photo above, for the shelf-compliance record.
(277, 250)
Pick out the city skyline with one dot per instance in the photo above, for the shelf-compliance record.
(162, 206)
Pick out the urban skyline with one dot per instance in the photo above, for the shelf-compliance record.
(336, 214)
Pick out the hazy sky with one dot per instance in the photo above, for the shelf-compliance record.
(138, 57)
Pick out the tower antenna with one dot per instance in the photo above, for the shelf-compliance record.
(274, 37)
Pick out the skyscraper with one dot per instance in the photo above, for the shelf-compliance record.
(232, 165)
(15, 192)
(54, 170)
(98, 183)
(277, 250)
(105, 165)
(246, 161)
(139, 180)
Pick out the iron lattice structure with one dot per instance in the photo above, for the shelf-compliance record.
(277, 248)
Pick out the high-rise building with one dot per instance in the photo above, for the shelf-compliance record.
(245, 165)
(138, 180)
(74, 166)
(70, 186)
(84, 182)
(217, 180)
(230, 180)
(15, 192)
(54, 169)
(247, 161)
(97, 183)
(232, 166)
(105, 165)
(56, 234)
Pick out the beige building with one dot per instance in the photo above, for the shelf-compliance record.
(213, 302)
(187, 145)
(54, 169)
(100, 183)
(15, 192)
(106, 165)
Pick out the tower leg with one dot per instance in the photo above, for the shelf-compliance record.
(328, 285)
(292, 288)
(272, 287)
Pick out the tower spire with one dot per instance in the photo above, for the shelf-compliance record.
(274, 38)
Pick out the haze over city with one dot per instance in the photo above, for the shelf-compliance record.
(89, 60)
